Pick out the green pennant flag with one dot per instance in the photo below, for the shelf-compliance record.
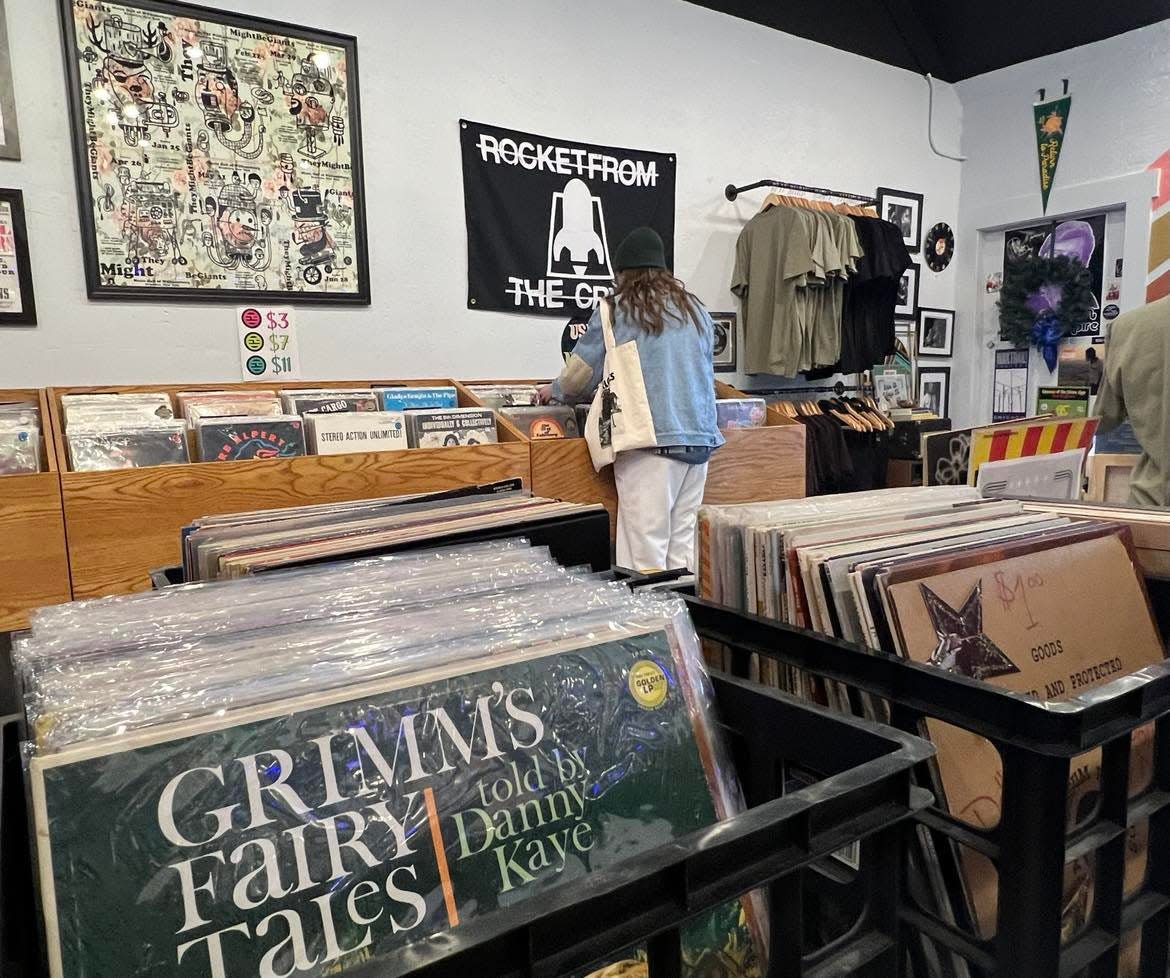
(1051, 122)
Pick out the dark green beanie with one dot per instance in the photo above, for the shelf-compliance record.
(642, 248)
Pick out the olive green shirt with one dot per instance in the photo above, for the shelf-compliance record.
(772, 258)
(1136, 385)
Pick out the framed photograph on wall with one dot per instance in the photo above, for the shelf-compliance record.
(934, 389)
(9, 134)
(936, 332)
(17, 305)
(902, 209)
(726, 344)
(218, 156)
(906, 304)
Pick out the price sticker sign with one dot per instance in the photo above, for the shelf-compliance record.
(267, 338)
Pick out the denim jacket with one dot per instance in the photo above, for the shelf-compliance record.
(677, 368)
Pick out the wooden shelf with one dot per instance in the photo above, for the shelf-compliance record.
(34, 564)
(755, 463)
(121, 524)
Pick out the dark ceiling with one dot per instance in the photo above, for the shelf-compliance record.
(952, 39)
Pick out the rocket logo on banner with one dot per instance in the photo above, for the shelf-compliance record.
(577, 245)
(544, 216)
(1051, 120)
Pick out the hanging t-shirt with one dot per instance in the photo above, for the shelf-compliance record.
(773, 254)
(867, 319)
(835, 249)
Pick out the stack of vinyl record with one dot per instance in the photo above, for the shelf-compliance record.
(20, 438)
(346, 762)
(237, 544)
(500, 396)
(1035, 601)
(122, 431)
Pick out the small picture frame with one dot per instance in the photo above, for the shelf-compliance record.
(725, 354)
(936, 332)
(903, 209)
(17, 304)
(906, 304)
(934, 390)
(891, 387)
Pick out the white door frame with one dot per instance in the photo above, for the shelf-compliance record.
(1132, 193)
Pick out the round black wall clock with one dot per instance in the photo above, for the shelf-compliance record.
(940, 247)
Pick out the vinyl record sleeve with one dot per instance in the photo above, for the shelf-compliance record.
(1002, 614)
(20, 448)
(454, 427)
(241, 439)
(356, 431)
(544, 422)
(411, 398)
(367, 821)
(741, 412)
(328, 402)
(96, 450)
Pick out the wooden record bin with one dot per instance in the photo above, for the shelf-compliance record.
(755, 463)
(123, 523)
(34, 564)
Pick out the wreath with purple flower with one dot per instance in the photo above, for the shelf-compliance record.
(1042, 300)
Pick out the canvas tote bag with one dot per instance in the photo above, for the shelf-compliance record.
(619, 418)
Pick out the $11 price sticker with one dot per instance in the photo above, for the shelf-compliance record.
(267, 338)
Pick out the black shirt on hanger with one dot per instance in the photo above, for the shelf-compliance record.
(867, 323)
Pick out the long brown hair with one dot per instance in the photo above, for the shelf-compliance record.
(645, 294)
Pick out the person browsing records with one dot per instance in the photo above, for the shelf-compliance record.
(659, 489)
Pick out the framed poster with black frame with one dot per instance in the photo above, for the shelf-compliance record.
(906, 303)
(218, 156)
(18, 306)
(934, 389)
(726, 345)
(936, 332)
(903, 209)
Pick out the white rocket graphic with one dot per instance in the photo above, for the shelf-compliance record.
(577, 234)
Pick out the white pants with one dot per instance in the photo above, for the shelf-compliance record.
(658, 501)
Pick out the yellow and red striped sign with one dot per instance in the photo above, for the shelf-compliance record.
(1001, 442)
(1158, 273)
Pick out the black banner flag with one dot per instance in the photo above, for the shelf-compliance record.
(545, 216)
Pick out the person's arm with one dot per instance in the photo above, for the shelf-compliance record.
(582, 373)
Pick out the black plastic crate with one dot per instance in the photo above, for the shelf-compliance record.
(1029, 846)
(863, 793)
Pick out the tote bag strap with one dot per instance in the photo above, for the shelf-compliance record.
(605, 309)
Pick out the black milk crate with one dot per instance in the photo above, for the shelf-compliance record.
(862, 796)
(1029, 846)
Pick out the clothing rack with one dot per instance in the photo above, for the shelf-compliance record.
(797, 393)
(732, 191)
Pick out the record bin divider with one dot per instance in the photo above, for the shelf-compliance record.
(865, 794)
(34, 562)
(121, 524)
(1029, 846)
(755, 464)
